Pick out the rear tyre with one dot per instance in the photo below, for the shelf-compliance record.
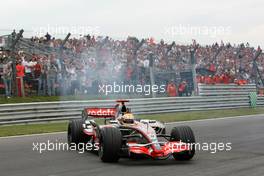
(110, 144)
(75, 132)
(184, 134)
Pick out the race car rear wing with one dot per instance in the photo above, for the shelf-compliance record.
(99, 112)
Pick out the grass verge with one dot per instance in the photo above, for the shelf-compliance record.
(32, 99)
(168, 117)
(197, 115)
(24, 129)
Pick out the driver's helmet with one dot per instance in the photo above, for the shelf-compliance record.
(127, 118)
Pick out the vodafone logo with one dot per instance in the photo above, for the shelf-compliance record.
(102, 112)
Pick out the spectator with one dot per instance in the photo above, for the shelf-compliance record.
(48, 37)
(171, 89)
(40, 77)
(29, 65)
(7, 77)
(1, 72)
(13, 34)
(20, 70)
(52, 71)
(183, 89)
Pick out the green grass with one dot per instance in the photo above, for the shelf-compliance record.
(30, 99)
(32, 129)
(196, 115)
(168, 117)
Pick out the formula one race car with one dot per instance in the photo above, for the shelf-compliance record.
(124, 136)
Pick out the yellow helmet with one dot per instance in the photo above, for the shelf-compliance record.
(128, 118)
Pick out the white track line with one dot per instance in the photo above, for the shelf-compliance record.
(31, 135)
(189, 121)
(220, 118)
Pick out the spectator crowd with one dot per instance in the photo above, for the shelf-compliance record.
(100, 60)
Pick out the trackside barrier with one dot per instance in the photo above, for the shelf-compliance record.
(55, 111)
(225, 89)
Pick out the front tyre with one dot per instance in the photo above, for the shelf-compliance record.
(183, 134)
(110, 144)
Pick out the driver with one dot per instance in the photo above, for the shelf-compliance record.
(126, 119)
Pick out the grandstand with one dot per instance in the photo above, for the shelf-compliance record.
(49, 66)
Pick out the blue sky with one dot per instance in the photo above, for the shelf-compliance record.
(238, 21)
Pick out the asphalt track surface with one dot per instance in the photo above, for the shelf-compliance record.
(246, 157)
